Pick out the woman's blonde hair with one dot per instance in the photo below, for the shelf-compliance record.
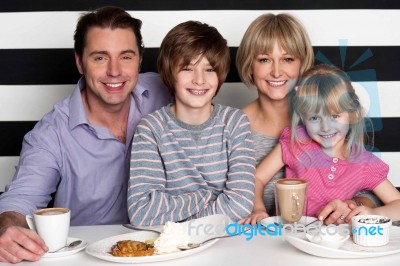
(261, 36)
(328, 89)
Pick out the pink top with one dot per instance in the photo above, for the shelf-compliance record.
(329, 177)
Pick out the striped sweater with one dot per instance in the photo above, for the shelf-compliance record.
(180, 172)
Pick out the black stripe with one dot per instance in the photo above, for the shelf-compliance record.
(150, 5)
(57, 66)
(11, 135)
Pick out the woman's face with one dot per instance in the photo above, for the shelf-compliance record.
(276, 73)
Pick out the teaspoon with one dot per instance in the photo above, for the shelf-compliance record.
(71, 245)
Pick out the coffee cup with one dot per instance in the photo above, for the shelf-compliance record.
(291, 199)
(52, 225)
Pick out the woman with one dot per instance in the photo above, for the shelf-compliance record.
(274, 52)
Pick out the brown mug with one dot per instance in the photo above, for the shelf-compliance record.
(291, 199)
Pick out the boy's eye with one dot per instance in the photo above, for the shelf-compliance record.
(210, 69)
(186, 68)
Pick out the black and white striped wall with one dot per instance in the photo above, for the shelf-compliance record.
(37, 64)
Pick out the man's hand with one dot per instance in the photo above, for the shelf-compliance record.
(18, 243)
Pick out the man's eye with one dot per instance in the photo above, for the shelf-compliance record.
(99, 58)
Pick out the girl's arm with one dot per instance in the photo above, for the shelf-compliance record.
(389, 195)
(267, 168)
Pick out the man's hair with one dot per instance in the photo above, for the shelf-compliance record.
(188, 41)
(106, 17)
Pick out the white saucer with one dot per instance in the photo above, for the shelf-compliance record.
(270, 222)
(67, 251)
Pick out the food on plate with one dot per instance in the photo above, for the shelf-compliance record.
(131, 248)
(172, 236)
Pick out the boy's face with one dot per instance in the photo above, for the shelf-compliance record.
(196, 85)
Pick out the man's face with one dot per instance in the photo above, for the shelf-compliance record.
(110, 63)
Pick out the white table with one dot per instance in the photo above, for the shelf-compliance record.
(261, 250)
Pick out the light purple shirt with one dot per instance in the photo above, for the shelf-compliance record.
(86, 164)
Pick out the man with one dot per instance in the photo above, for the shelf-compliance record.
(81, 150)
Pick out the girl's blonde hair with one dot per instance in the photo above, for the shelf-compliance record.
(328, 89)
(260, 38)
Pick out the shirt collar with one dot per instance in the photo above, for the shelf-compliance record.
(77, 110)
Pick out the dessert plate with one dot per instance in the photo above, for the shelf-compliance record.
(349, 249)
(101, 249)
(67, 251)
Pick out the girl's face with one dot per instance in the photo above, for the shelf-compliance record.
(196, 85)
(329, 131)
(276, 73)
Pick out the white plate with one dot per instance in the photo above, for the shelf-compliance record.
(270, 222)
(67, 251)
(101, 249)
(349, 250)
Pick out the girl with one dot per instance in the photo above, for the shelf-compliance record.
(325, 145)
(192, 158)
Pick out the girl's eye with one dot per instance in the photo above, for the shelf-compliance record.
(313, 118)
(335, 116)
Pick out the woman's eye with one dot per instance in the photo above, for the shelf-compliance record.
(288, 60)
(263, 60)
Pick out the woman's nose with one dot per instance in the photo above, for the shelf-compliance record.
(276, 70)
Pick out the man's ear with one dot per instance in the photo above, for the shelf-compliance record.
(140, 64)
(78, 63)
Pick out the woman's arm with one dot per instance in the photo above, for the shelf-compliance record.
(267, 168)
(390, 196)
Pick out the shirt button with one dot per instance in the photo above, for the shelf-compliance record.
(333, 168)
(335, 160)
(331, 176)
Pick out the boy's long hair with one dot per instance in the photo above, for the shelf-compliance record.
(328, 89)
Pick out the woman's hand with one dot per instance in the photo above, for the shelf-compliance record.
(337, 212)
(254, 217)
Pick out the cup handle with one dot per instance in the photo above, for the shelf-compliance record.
(296, 202)
(30, 222)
